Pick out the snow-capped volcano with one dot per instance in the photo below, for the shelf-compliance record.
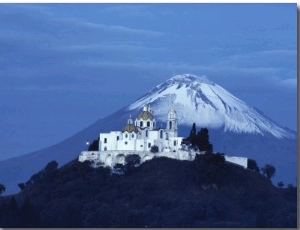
(197, 99)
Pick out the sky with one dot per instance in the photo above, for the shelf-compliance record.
(64, 66)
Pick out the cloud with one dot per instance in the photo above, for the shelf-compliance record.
(128, 10)
(128, 47)
(290, 83)
(81, 24)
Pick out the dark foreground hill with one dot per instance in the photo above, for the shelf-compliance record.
(163, 192)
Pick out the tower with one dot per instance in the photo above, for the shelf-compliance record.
(172, 129)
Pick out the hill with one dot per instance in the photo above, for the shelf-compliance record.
(235, 129)
(163, 192)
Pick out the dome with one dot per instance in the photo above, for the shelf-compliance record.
(130, 128)
(145, 115)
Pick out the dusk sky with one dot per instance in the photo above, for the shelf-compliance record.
(63, 66)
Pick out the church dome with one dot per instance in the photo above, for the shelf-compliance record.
(145, 115)
(130, 128)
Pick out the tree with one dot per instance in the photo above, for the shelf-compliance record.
(131, 162)
(252, 165)
(192, 137)
(2, 189)
(268, 171)
(154, 149)
(94, 146)
(22, 186)
(290, 186)
(51, 167)
(280, 184)
(203, 140)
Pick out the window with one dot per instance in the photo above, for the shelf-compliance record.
(126, 135)
(170, 125)
(126, 142)
(117, 138)
(132, 135)
(161, 134)
(148, 123)
(175, 143)
(141, 124)
(105, 148)
(105, 140)
(149, 145)
(146, 133)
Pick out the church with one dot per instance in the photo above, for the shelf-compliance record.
(142, 134)
(142, 137)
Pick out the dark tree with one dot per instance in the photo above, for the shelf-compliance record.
(203, 140)
(132, 161)
(94, 146)
(192, 137)
(290, 186)
(268, 171)
(51, 167)
(252, 165)
(154, 149)
(280, 184)
(21, 186)
(2, 189)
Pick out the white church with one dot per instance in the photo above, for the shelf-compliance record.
(142, 134)
(139, 137)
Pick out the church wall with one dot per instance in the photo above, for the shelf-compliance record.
(126, 144)
(154, 134)
(140, 145)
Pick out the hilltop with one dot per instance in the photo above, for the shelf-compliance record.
(163, 192)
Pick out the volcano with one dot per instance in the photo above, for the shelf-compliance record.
(235, 129)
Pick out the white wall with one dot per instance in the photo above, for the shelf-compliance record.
(237, 160)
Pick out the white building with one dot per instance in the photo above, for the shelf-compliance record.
(142, 134)
(139, 137)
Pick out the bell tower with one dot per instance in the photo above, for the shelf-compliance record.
(172, 123)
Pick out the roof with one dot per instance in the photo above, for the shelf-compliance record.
(145, 115)
(130, 128)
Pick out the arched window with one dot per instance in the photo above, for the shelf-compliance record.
(141, 124)
(105, 148)
(132, 135)
(146, 133)
(170, 125)
(126, 135)
(161, 134)
(148, 123)
(105, 140)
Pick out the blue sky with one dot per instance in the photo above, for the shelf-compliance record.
(63, 66)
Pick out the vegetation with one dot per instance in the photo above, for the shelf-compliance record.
(268, 170)
(280, 184)
(163, 192)
(94, 146)
(2, 188)
(200, 141)
(154, 149)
